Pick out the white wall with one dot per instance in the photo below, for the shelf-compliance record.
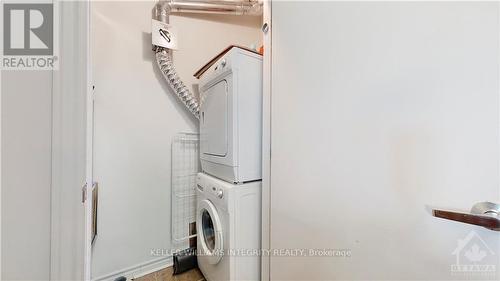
(380, 109)
(136, 117)
(26, 174)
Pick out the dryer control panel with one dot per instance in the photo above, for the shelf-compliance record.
(223, 65)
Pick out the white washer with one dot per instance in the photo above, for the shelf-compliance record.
(231, 117)
(228, 221)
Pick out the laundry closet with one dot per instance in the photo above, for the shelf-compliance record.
(147, 141)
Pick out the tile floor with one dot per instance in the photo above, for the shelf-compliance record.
(166, 275)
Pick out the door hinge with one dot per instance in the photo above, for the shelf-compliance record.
(84, 193)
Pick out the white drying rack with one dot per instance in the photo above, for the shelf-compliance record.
(185, 166)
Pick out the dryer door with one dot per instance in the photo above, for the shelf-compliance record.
(210, 232)
(213, 120)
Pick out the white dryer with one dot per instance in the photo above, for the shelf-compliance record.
(231, 117)
(228, 221)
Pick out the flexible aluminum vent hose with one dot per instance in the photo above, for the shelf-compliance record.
(164, 60)
(161, 12)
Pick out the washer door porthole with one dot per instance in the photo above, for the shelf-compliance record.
(210, 232)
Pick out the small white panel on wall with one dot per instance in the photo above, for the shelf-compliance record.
(163, 35)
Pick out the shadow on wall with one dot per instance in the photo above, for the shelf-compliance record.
(246, 21)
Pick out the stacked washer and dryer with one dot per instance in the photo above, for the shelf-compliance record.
(229, 188)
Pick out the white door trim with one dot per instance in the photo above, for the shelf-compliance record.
(68, 144)
(89, 152)
(266, 139)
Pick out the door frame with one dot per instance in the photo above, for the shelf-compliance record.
(266, 140)
(69, 133)
(89, 177)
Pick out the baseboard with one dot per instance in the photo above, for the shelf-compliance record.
(138, 270)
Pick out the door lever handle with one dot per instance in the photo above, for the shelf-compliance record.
(485, 214)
